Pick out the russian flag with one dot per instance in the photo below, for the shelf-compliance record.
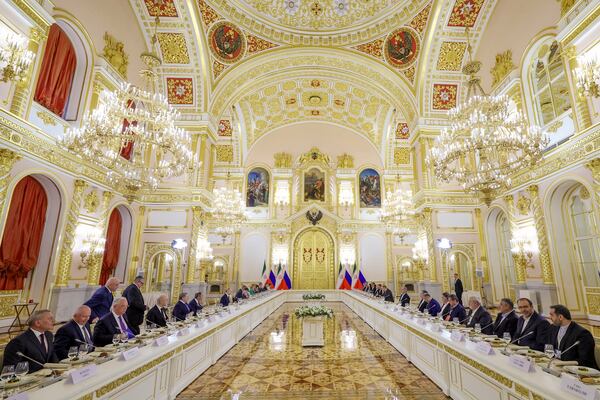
(360, 282)
(347, 282)
(286, 283)
(272, 279)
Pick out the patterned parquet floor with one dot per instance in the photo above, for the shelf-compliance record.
(355, 363)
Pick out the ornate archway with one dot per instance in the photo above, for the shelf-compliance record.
(314, 258)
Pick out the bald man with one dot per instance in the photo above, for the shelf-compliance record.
(112, 323)
(102, 299)
(158, 315)
(76, 332)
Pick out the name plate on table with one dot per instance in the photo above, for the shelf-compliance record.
(576, 388)
(19, 396)
(81, 374)
(457, 336)
(421, 321)
(484, 348)
(434, 328)
(183, 332)
(200, 324)
(161, 341)
(521, 363)
(131, 353)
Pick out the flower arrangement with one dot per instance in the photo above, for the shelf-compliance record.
(313, 311)
(313, 296)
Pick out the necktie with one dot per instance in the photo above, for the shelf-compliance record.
(43, 342)
(124, 328)
(86, 336)
(164, 313)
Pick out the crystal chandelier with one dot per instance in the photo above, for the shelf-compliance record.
(133, 133)
(14, 56)
(204, 251)
(228, 209)
(486, 141)
(588, 74)
(397, 206)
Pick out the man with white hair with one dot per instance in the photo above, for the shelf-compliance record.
(76, 332)
(479, 315)
(158, 314)
(112, 323)
(102, 299)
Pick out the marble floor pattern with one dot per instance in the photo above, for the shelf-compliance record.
(355, 363)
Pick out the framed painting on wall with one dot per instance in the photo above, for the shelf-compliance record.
(314, 185)
(370, 189)
(257, 190)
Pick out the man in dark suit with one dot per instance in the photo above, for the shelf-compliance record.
(457, 311)
(158, 315)
(73, 333)
(404, 297)
(136, 309)
(458, 288)
(102, 299)
(433, 306)
(446, 305)
(112, 323)
(564, 333)
(423, 303)
(506, 321)
(479, 315)
(387, 294)
(226, 298)
(36, 342)
(181, 309)
(196, 303)
(531, 321)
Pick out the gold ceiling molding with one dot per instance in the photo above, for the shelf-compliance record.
(451, 56)
(173, 48)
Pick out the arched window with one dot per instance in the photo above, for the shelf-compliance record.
(584, 235)
(23, 233)
(460, 264)
(551, 95)
(505, 254)
(57, 72)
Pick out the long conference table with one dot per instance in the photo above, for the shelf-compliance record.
(163, 371)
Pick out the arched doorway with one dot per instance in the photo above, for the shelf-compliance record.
(314, 254)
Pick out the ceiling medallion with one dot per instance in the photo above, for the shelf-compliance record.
(401, 47)
(227, 42)
(314, 100)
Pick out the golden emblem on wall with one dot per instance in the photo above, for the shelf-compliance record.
(504, 64)
(114, 53)
(91, 202)
(345, 161)
(283, 160)
(523, 205)
(314, 155)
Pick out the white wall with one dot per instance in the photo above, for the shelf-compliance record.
(373, 256)
(254, 252)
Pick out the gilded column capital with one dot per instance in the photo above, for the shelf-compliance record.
(533, 190)
(8, 158)
(509, 199)
(594, 167)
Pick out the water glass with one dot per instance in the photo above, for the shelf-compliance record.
(455, 320)
(549, 350)
(73, 350)
(116, 338)
(478, 328)
(22, 368)
(506, 337)
(8, 371)
(124, 338)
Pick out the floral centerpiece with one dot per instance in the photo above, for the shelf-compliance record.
(313, 296)
(313, 311)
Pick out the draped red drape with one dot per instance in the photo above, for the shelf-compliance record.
(112, 247)
(57, 72)
(23, 232)
(127, 149)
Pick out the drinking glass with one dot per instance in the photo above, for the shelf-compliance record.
(478, 328)
(116, 338)
(455, 320)
(84, 348)
(73, 350)
(549, 350)
(506, 337)
(22, 369)
(7, 373)
(124, 338)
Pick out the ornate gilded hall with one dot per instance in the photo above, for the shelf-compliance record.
(426, 147)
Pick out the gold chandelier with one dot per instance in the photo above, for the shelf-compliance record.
(15, 58)
(396, 206)
(487, 141)
(228, 209)
(133, 133)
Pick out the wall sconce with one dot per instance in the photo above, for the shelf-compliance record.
(204, 251)
(92, 244)
(282, 193)
(14, 56)
(588, 74)
(280, 255)
(420, 252)
(523, 246)
(346, 195)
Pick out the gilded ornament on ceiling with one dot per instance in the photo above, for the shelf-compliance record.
(224, 153)
(410, 74)
(373, 48)
(227, 42)
(584, 193)
(504, 64)
(173, 48)
(524, 205)
(419, 22)
(345, 161)
(114, 53)
(91, 202)
(314, 155)
(464, 13)
(46, 118)
(402, 155)
(180, 91)
(315, 83)
(451, 56)
(444, 96)
(566, 5)
(283, 160)
(162, 8)
(402, 131)
(218, 68)
(224, 128)
(401, 47)
(256, 44)
(208, 14)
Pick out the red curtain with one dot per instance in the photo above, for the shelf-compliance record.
(112, 247)
(57, 72)
(23, 232)
(127, 149)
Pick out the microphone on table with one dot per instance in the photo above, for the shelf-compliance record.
(547, 369)
(460, 322)
(515, 340)
(86, 343)
(490, 324)
(30, 359)
(152, 322)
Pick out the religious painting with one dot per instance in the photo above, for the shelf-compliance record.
(227, 42)
(257, 192)
(370, 189)
(314, 185)
(401, 47)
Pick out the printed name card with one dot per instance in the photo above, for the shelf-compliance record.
(421, 321)
(576, 388)
(484, 348)
(183, 332)
(19, 396)
(457, 336)
(131, 353)
(161, 341)
(200, 324)
(434, 328)
(81, 374)
(521, 363)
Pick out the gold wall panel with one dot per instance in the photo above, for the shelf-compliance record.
(313, 260)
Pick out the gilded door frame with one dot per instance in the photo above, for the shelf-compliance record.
(332, 255)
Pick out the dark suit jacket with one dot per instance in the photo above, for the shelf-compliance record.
(180, 311)
(106, 328)
(100, 303)
(404, 299)
(508, 325)
(483, 318)
(422, 306)
(65, 338)
(28, 344)
(583, 353)
(195, 306)
(539, 326)
(224, 300)
(388, 296)
(156, 316)
(458, 288)
(457, 312)
(445, 310)
(136, 309)
(433, 307)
